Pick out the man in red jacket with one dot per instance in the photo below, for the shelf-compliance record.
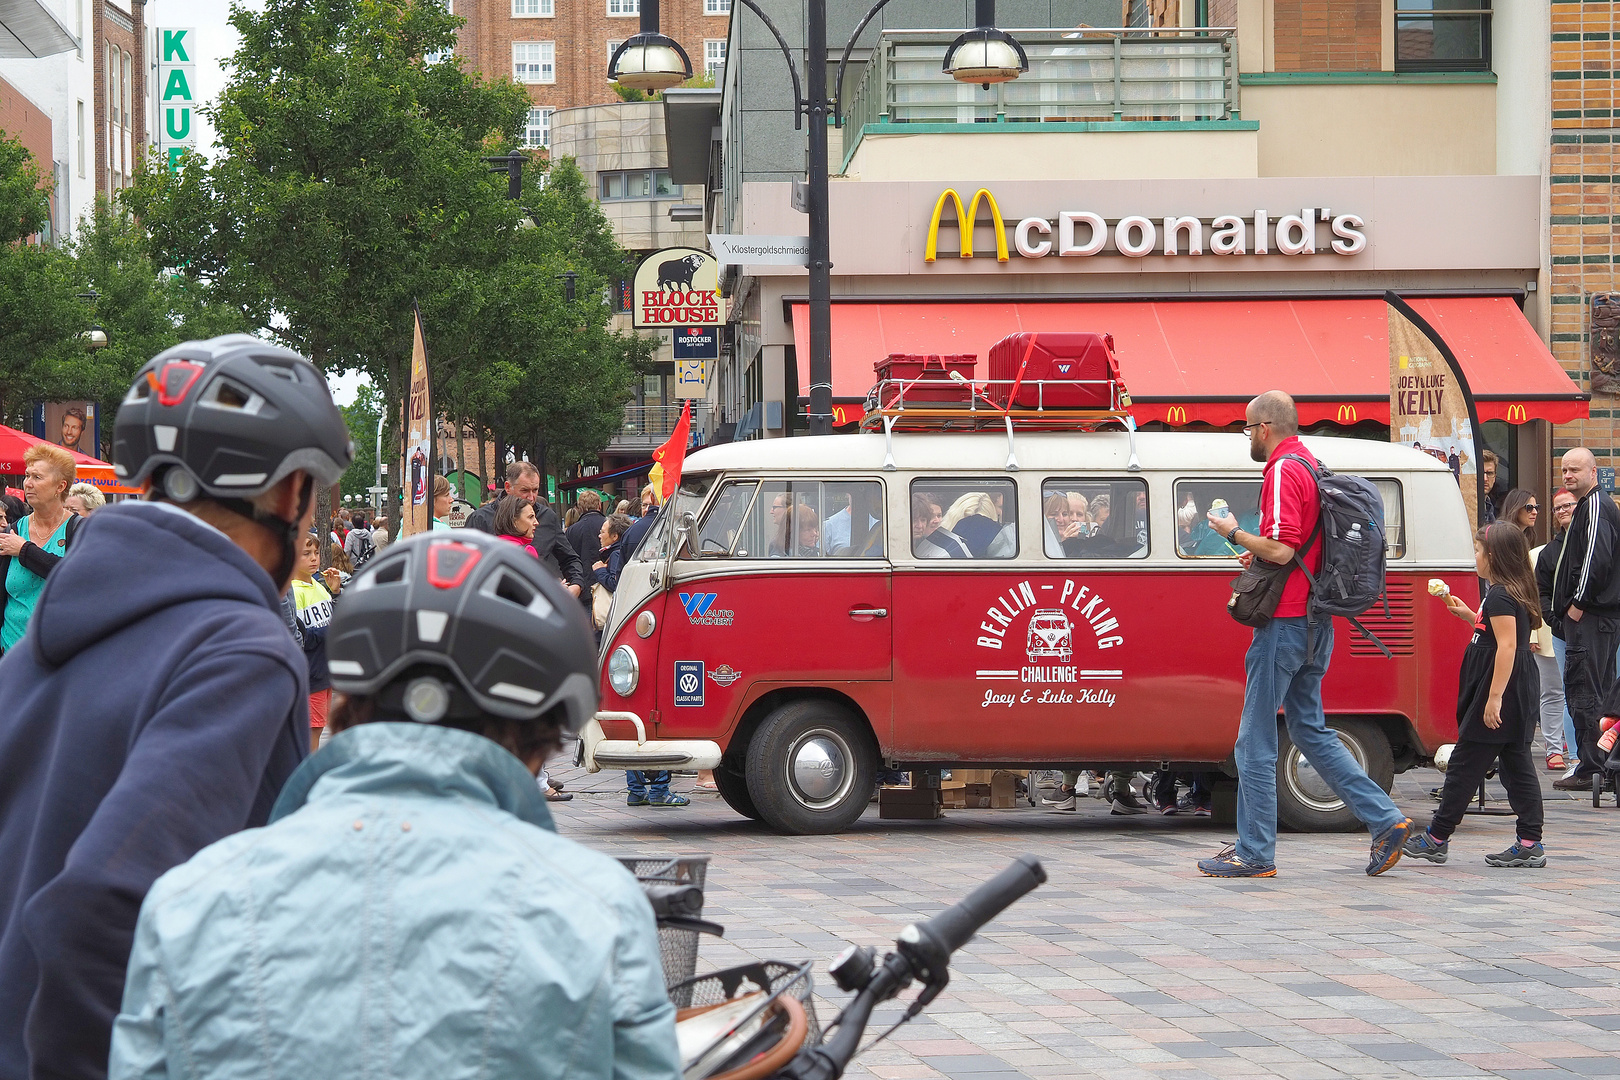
(1279, 674)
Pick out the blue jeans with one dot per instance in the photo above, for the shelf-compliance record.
(647, 783)
(1280, 676)
(1572, 753)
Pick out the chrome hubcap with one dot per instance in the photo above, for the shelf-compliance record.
(819, 766)
(1308, 786)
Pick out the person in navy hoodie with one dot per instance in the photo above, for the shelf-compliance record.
(157, 702)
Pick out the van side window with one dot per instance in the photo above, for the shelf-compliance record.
(970, 518)
(1394, 518)
(1238, 499)
(1094, 519)
(801, 519)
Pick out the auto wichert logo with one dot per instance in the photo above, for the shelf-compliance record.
(1053, 621)
(700, 610)
(965, 220)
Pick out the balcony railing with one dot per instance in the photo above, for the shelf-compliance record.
(647, 426)
(1075, 76)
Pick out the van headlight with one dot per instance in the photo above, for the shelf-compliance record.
(624, 671)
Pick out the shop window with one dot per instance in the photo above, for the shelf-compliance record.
(1094, 519)
(1194, 499)
(811, 519)
(971, 518)
(1442, 35)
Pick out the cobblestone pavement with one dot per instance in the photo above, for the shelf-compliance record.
(1128, 964)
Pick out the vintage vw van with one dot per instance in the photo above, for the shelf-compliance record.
(810, 610)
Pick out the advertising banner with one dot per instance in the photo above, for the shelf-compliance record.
(177, 96)
(70, 425)
(677, 287)
(1430, 406)
(735, 250)
(418, 472)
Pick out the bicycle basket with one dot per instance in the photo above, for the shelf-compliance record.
(744, 1040)
(677, 946)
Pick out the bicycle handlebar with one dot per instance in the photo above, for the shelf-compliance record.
(955, 926)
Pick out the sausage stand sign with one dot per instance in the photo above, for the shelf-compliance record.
(677, 287)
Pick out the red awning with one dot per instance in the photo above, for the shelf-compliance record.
(1202, 360)
(14, 444)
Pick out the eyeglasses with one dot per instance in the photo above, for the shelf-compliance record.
(1249, 427)
(1564, 508)
(1533, 508)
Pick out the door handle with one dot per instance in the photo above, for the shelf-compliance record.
(866, 614)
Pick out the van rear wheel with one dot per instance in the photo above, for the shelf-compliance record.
(811, 768)
(734, 790)
(1305, 802)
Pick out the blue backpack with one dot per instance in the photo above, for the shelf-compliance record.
(1350, 528)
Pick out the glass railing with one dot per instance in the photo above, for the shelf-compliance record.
(650, 425)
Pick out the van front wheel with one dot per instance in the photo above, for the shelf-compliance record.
(811, 768)
(734, 790)
(1305, 802)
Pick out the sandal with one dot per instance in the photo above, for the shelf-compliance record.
(705, 787)
(1555, 762)
(553, 795)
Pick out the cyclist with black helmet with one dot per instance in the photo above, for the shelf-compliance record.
(410, 911)
(157, 702)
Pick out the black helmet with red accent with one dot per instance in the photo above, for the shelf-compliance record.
(449, 626)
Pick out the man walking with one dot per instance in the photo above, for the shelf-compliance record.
(523, 481)
(1278, 673)
(1586, 608)
(146, 721)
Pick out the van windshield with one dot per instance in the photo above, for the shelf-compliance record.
(798, 519)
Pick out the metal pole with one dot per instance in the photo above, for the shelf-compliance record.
(379, 483)
(820, 242)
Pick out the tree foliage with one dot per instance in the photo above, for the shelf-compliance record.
(362, 415)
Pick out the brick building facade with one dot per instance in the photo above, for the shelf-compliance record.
(559, 49)
(119, 53)
(30, 125)
(1583, 218)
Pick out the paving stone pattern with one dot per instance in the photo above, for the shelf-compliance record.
(1128, 964)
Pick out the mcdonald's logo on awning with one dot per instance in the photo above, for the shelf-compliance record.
(1175, 414)
(1347, 414)
(964, 224)
(1516, 414)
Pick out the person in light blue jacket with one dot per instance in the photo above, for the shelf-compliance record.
(410, 910)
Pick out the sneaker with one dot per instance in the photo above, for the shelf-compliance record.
(1202, 810)
(1421, 845)
(1226, 864)
(1171, 809)
(1127, 804)
(668, 800)
(1386, 847)
(1062, 798)
(1519, 855)
(635, 800)
(1434, 793)
(1572, 782)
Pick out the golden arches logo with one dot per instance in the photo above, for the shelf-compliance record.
(964, 223)
(1347, 414)
(1175, 414)
(1516, 414)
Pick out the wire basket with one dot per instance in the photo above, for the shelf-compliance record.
(677, 946)
(772, 976)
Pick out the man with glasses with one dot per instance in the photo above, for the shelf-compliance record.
(1557, 729)
(1279, 675)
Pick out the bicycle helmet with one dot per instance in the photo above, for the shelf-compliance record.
(449, 626)
(229, 418)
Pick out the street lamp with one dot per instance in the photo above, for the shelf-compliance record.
(982, 55)
(95, 337)
(649, 60)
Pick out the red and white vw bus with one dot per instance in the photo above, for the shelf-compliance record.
(812, 609)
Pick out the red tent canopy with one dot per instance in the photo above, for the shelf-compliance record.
(14, 444)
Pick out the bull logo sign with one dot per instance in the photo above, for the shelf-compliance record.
(677, 287)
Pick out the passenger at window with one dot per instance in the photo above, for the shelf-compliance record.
(836, 538)
(1082, 511)
(805, 539)
(1062, 527)
(929, 539)
(976, 520)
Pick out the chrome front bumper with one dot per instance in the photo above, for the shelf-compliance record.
(600, 752)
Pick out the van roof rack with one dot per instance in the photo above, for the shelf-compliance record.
(972, 408)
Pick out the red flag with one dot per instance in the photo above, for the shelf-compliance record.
(665, 475)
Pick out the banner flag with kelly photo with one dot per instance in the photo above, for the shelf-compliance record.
(418, 471)
(1431, 407)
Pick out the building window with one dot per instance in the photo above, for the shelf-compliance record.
(617, 8)
(533, 9)
(641, 184)
(717, 7)
(714, 58)
(537, 132)
(79, 149)
(129, 88)
(613, 47)
(534, 62)
(1442, 35)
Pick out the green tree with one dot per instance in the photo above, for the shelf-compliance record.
(362, 415)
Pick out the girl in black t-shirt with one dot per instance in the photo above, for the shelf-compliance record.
(1498, 701)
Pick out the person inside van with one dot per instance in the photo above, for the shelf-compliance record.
(975, 519)
(840, 537)
(929, 538)
(1063, 527)
(806, 535)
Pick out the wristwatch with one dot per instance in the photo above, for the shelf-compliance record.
(1231, 537)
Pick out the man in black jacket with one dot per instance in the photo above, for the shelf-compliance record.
(1586, 607)
(523, 481)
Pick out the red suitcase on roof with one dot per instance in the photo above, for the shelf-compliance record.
(1056, 371)
(924, 377)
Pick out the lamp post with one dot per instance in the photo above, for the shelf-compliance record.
(983, 55)
(95, 337)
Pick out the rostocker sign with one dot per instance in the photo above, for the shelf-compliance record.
(677, 287)
(1314, 230)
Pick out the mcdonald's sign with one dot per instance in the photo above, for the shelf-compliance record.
(1347, 414)
(846, 414)
(1516, 414)
(964, 223)
(1175, 414)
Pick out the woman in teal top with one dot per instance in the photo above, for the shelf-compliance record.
(41, 538)
(441, 502)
